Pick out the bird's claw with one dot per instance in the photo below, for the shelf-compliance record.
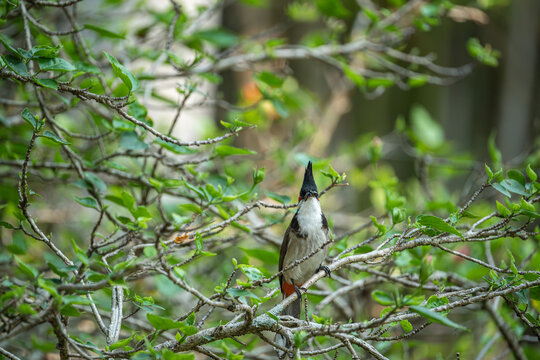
(325, 268)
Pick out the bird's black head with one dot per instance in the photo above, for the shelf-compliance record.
(309, 188)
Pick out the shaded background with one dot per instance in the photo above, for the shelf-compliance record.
(504, 99)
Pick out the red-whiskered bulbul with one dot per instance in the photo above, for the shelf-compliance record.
(307, 232)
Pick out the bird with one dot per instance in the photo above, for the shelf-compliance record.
(307, 233)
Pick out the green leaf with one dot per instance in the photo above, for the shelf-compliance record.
(162, 323)
(104, 32)
(218, 37)
(26, 309)
(121, 343)
(534, 293)
(435, 317)
(16, 64)
(87, 201)
(191, 208)
(354, 76)
(425, 129)
(242, 294)
(501, 189)
(167, 354)
(131, 141)
(191, 319)
(124, 74)
(54, 64)
(52, 136)
(484, 54)
(69, 310)
(198, 241)
(517, 176)
(81, 255)
(382, 298)
(514, 186)
(380, 227)
(437, 223)
(417, 81)
(258, 176)
(6, 225)
(177, 149)
(30, 118)
(269, 79)
(376, 82)
(333, 8)
(512, 262)
(531, 174)
(226, 150)
(45, 51)
(406, 325)
(283, 199)
(252, 273)
(47, 83)
(150, 251)
(489, 172)
(27, 269)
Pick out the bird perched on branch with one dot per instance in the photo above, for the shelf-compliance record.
(306, 239)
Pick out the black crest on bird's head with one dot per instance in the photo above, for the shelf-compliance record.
(309, 188)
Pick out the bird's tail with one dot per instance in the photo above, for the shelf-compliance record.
(293, 309)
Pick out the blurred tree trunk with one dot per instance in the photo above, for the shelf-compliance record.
(518, 92)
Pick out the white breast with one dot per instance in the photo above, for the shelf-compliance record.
(309, 218)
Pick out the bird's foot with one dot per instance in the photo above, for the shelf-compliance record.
(325, 268)
(298, 290)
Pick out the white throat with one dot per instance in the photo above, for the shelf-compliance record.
(310, 215)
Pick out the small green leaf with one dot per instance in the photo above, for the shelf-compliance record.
(501, 189)
(54, 64)
(226, 150)
(437, 223)
(124, 74)
(198, 241)
(150, 251)
(484, 54)
(512, 262)
(382, 298)
(52, 136)
(218, 37)
(87, 201)
(16, 64)
(30, 118)
(45, 51)
(380, 227)
(489, 172)
(121, 343)
(283, 199)
(383, 82)
(167, 354)
(531, 174)
(162, 323)
(435, 317)
(354, 76)
(47, 83)
(406, 325)
(104, 32)
(81, 255)
(258, 176)
(269, 79)
(131, 141)
(190, 207)
(27, 269)
(417, 81)
(517, 176)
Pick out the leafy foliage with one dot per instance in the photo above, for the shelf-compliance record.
(120, 239)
